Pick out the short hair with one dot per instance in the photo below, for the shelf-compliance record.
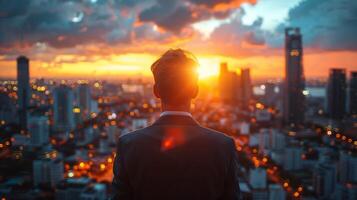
(175, 75)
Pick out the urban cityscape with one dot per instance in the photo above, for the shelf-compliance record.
(296, 137)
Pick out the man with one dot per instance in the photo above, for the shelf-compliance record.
(175, 158)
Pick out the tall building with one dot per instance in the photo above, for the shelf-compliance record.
(39, 130)
(294, 100)
(229, 84)
(258, 178)
(246, 88)
(346, 191)
(347, 168)
(63, 108)
(47, 171)
(292, 158)
(336, 93)
(324, 180)
(83, 100)
(23, 89)
(276, 192)
(7, 109)
(353, 93)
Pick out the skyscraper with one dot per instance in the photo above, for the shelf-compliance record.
(83, 98)
(47, 171)
(353, 93)
(324, 179)
(336, 93)
(23, 89)
(229, 84)
(246, 88)
(63, 108)
(39, 130)
(294, 100)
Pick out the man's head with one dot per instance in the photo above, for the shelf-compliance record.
(175, 74)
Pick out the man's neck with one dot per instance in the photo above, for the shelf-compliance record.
(183, 108)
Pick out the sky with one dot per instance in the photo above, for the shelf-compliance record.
(111, 39)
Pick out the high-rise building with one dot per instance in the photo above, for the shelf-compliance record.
(39, 130)
(276, 192)
(47, 171)
(7, 109)
(294, 100)
(347, 168)
(292, 158)
(229, 84)
(346, 191)
(258, 178)
(246, 88)
(63, 108)
(83, 100)
(353, 93)
(23, 89)
(324, 180)
(336, 93)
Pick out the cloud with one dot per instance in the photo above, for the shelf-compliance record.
(325, 25)
(175, 15)
(234, 38)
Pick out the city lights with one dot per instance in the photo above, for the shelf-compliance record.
(277, 78)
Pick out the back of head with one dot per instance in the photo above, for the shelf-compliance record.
(175, 74)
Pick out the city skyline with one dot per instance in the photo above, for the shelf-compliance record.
(101, 39)
(277, 85)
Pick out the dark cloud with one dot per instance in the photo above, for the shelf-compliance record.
(325, 25)
(9, 9)
(65, 23)
(174, 15)
(210, 3)
(169, 15)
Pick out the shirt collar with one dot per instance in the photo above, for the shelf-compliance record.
(180, 113)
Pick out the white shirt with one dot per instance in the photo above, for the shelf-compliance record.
(180, 113)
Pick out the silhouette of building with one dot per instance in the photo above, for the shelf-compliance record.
(63, 108)
(246, 88)
(336, 93)
(7, 109)
(47, 171)
(324, 179)
(346, 191)
(347, 168)
(292, 158)
(276, 192)
(80, 188)
(39, 130)
(23, 89)
(353, 93)
(294, 100)
(258, 178)
(227, 84)
(83, 100)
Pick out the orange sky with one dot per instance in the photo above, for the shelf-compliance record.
(138, 64)
(115, 40)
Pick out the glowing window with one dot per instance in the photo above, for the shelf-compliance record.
(294, 52)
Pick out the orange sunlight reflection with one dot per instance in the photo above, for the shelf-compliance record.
(173, 137)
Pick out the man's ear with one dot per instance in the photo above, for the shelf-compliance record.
(195, 92)
(156, 91)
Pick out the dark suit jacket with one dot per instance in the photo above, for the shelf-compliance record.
(175, 158)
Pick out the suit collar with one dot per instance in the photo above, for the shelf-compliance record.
(180, 120)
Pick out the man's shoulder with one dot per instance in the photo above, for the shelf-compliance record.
(207, 133)
(216, 135)
(133, 135)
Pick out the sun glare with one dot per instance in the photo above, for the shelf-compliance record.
(208, 67)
